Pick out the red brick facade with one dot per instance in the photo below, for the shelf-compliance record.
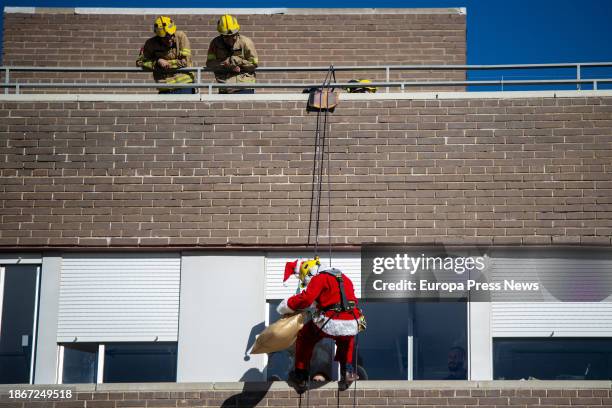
(488, 171)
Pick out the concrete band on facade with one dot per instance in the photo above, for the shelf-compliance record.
(295, 97)
(362, 385)
(525, 394)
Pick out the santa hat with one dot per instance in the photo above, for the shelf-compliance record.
(292, 268)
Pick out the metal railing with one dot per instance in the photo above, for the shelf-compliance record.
(387, 83)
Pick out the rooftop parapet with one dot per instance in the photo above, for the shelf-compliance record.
(283, 37)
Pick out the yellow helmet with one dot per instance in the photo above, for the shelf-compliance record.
(228, 25)
(164, 26)
(307, 267)
(363, 89)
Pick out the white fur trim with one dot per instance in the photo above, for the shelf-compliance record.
(336, 327)
(323, 268)
(283, 308)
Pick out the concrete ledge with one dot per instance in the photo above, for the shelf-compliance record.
(364, 385)
(237, 11)
(289, 97)
(18, 258)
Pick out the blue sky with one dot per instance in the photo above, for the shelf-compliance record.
(498, 32)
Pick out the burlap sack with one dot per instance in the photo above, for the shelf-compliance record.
(279, 335)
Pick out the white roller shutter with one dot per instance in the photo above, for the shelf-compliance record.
(551, 319)
(555, 318)
(119, 297)
(349, 263)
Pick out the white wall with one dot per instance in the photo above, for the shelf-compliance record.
(222, 307)
(480, 342)
(45, 371)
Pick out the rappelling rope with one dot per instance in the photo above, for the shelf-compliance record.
(321, 167)
(318, 167)
(326, 127)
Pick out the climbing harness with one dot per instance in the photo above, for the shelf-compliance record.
(344, 305)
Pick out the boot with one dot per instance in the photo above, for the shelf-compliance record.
(348, 375)
(298, 379)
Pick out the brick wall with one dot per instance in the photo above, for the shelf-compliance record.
(67, 39)
(488, 171)
(379, 394)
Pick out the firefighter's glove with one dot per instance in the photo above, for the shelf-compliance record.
(237, 61)
(228, 64)
(163, 64)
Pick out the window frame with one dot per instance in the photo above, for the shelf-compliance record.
(60, 364)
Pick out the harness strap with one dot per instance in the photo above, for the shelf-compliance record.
(337, 307)
(344, 304)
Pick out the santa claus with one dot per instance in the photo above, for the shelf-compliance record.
(336, 316)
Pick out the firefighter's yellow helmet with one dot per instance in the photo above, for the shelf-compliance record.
(307, 267)
(361, 89)
(164, 26)
(228, 25)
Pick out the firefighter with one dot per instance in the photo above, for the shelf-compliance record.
(166, 52)
(232, 56)
(336, 317)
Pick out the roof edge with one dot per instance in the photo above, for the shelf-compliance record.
(237, 11)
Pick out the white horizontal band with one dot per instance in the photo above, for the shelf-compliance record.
(288, 97)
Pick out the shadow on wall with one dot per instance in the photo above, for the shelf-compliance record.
(252, 393)
(255, 330)
(255, 389)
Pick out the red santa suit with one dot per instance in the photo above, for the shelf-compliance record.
(323, 292)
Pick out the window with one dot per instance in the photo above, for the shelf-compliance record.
(552, 359)
(80, 363)
(138, 362)
(436, 331)
(440, 344)
(18, 314)
(383, 347)
(120, 362)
